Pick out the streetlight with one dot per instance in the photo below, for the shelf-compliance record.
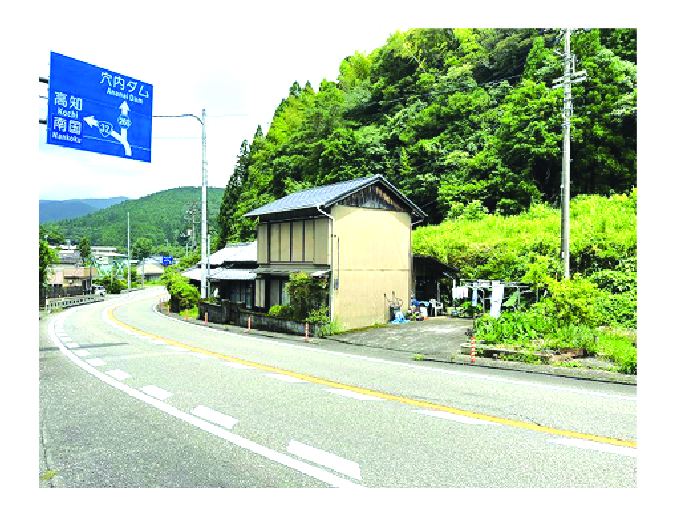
(204, 187)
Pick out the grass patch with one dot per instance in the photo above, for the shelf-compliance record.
(49, 474)
(617, 345)
(192, 313)
(418, 357)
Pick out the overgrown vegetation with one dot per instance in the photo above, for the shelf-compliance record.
(307, 300)
(556, 313)
(179, 287)
(464, 122)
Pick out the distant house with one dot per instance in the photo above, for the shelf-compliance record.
(149, 270)
(232, 273)
(70, 281)
(356, 234)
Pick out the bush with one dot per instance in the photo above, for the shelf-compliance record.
(180, 288)
(573, 301)
(280, 311)
(112, 286)
(306, 294)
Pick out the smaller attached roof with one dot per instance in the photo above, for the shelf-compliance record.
(233, 274)
(192, 274)
(328, 195)
(221, 274)
(235, 252)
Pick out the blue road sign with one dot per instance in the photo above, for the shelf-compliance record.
(167, 261)
(98, 110)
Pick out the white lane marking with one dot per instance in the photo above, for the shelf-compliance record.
(202, 356)
(327, 459)
(423, 368)
(592, 445)
(456, 417)
(353, 394)
(157, 392)
(284, 378)
(215, 416)
(96, 362)
(72, 345)
(241, 442)
(65, 338)
(179, 349)
(160, 343)
(236, 365)
(118, 374)
(81, 353)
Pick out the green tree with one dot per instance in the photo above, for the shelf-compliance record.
(47, 258)
(141, 249)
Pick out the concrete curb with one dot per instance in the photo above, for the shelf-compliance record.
(463, 360)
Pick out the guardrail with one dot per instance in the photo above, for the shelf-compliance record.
(70, 301)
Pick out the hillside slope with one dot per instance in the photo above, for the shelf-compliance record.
(449, 117)
(56, 210)
(159, 217)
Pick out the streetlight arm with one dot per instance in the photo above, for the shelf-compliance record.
(179, 116)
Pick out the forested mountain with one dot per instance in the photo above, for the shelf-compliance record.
(451, 117)
(55, 210)
(159, 217)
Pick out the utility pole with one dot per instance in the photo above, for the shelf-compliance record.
(128, 253)
(570, 77)
(208, 265)
(204, 204)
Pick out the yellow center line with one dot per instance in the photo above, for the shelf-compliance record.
(401, 399)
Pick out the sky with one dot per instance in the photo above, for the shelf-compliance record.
(235, 62)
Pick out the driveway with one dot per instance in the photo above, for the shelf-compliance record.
(438, 337)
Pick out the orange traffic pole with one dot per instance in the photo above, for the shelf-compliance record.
(206, 317)
(472, 349)
(306, 331)
(249, 320)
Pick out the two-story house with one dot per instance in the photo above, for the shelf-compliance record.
(357, 234)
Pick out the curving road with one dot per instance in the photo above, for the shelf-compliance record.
(132, 398)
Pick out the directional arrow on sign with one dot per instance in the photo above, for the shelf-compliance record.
(93, 122)
(122, 137)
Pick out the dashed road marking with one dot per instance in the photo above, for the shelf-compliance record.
(327, 459)
(157, 392)
(81, 353)
(215, 416)
(118, 374)
(96, 362)
(72, 345)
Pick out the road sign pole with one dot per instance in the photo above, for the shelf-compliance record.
(204, 204)
(128, 253)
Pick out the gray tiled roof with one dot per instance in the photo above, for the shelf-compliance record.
(325, 196)
(235, 252)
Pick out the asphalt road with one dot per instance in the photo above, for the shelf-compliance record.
(131, 398)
